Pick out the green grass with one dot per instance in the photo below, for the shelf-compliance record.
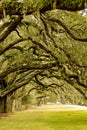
(45, 120)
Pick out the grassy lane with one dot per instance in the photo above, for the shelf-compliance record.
(45, 120)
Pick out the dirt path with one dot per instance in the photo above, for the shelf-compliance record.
(50, 107)
(60, 107)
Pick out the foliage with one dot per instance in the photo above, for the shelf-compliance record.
(12, 4)
(72, 3)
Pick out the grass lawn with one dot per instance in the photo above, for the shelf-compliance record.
(37, 119)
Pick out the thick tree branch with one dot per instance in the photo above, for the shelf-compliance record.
(18, 85)
(24, 68)
(10, 28)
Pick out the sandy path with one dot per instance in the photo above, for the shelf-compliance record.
(60, 107)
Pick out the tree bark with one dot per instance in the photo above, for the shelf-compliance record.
(3, 107)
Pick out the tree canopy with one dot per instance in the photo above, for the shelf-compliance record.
(18, 7)
(43, 43)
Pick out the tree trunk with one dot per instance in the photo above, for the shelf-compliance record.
(3, 107)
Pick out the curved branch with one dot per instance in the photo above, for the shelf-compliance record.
(59, 22)
(24, 68)
(18, 48)
(18, 85)
(47, 31)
